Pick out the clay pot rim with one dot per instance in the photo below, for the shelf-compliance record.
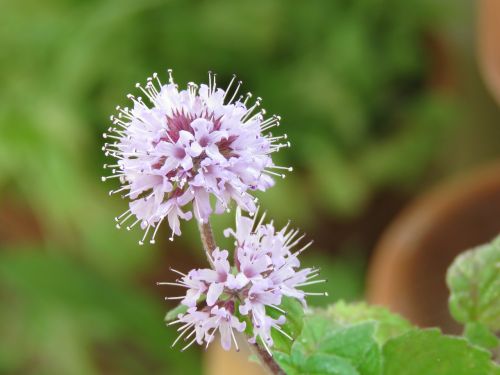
(418, 217)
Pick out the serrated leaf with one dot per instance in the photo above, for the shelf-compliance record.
(480, 335)
(172, 314)
(388, 324)
(356, 343)
(315, 364)
(292, 326)
(324, 347)
(419, 352)
(314, 332)
(286, 363)
(474, 282)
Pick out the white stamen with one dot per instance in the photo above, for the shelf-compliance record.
(312, 282)
(234, 340)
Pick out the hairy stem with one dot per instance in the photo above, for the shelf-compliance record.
(266, 360)
(208, 241)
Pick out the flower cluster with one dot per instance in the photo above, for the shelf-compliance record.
(265, 269)
(186, 146)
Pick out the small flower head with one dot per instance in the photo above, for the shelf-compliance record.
(266, 268)
(185, 146)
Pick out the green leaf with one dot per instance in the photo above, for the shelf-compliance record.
(172, 314)
(293, 325)
(419, 352)
(324, 364)
(480, 335)
(474, 282)
(388, 324)
(317, 364)
(315, 331)
(324, 347)
(356, 343)
(286, 363)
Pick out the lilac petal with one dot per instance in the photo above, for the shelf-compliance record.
(165, 148)
(187, 163)
(239, 326)
(237, 282)
(214, 292)
(191, 298)
(246, 307)
(170, 164)
(225, 336)
(202, 209)
(213, 152)
(201, 127)
(185, 138)
(186, 197)
(195, 149)
(174, 222)
(208, 275)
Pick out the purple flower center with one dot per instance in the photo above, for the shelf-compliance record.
(179, 153)
(182, 121)
(204, 141)
(222, 277)
(249, 272)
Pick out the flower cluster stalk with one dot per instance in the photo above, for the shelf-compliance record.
(207, 240)
(209, 245)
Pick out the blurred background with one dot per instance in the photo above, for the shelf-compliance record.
(381, 99)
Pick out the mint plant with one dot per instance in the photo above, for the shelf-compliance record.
(367, 340)
(197, 151)
(474, 281)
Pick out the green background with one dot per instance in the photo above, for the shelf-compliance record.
(380, 99)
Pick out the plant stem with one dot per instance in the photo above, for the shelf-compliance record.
(208, 241)
(266, 360)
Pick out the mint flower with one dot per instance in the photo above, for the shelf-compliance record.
(203, 325)
(184, 146)
(266, 268)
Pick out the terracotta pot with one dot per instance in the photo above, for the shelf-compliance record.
(408, 269)
(489, 45)
(220, 362)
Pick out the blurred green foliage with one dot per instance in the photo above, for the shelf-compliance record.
(63, 319)
(351, 80)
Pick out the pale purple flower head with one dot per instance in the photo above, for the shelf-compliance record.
(186, 146)
(265, 269)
